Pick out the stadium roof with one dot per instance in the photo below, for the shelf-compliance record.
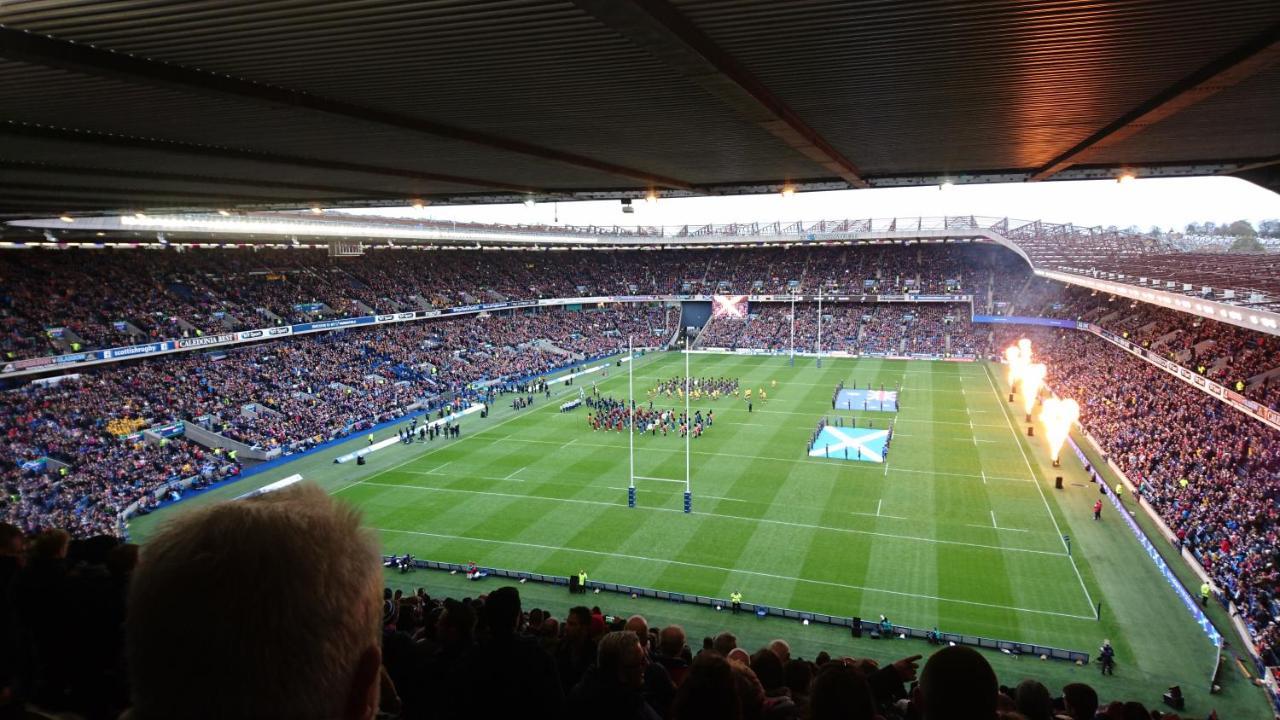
(145, 104)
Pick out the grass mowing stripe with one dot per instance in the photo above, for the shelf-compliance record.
(1056, 528)
(736, 571)
(489, 428)
(787, 523)
(747, 501)
(834, 464)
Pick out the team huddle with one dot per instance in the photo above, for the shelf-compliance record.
(610, 414)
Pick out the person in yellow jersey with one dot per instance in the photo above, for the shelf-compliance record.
(1120, 493)
(735, 597)
(748, 393)
(1205, 591)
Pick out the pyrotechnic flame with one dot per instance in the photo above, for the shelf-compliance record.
(1024, 347)
(1032, 379)
(1013, 356)
(1058, 416)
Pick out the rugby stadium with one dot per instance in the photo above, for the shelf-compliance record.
(284, 437)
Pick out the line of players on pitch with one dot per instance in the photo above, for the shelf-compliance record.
(610, 414)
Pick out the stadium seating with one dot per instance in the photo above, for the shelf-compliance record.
(1161, 431)
(75, 454)
(1226, 353)
(316, 389)
(108, 298)
(861, 328)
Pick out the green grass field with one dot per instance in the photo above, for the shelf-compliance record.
(960, 529)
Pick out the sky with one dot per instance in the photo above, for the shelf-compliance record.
(1167, 203)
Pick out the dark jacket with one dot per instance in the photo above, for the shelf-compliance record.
(602, 696)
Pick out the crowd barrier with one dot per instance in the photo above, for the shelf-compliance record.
(1011, 647)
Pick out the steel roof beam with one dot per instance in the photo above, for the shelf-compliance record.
(88, 60)
(82, 171)
(90, 137)
(1228, 70)
(659, 29)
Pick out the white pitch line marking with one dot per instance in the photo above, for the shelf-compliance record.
(513, 474)
(439, 467)
(988, 527)
(569, 443)
(993, 520)
(1058, 530)
(984, 476)
(741, 456)
(738, 571)
(469, 436)
(785, 523)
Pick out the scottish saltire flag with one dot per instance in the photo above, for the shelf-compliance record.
(842, 443)
(858, 399)
(729, 306)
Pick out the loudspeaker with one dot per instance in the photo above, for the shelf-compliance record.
(856, 629)
(1057, 482)
(359, 459)
(573, 583)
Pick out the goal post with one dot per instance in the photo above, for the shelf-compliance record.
(345, 248)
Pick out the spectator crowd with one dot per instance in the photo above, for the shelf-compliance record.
(294, 622)
(902, 329)
(54, 302)
(1210, 471)
(65, 463)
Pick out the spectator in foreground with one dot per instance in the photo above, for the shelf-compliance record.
(708, 692)
(286, 587)
(840, 692)
(1033, 700)
(612, 688)
(957, 683)
(673, 654)
(1081, 701)
(535, 690)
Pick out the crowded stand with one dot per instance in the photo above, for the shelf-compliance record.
(858, 329)
(78, 450)
(68, 300)
(1229, 354)
(75, 609)
(1211, 472)
(68, 463)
